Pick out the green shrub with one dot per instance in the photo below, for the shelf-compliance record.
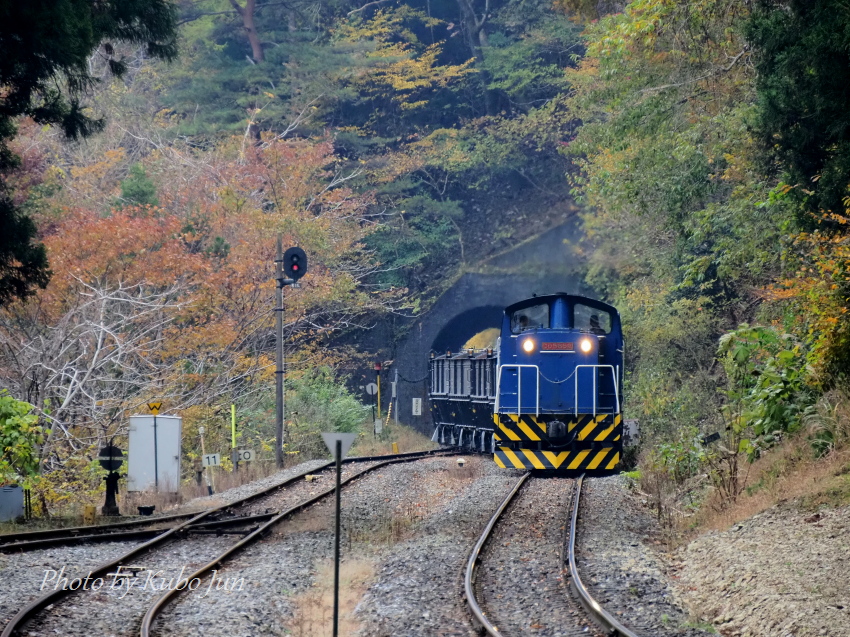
(767, 393)
(315, 403)
(20, 436)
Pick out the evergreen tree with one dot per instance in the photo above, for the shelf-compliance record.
(138, 189)
(803, 62)
(44, 74)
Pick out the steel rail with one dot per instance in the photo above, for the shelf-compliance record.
(27, 612)
(73, 531)
(32, 608)
(605, 619)
(156, 608)
(126, 536)
(78, 534)
(475, 558)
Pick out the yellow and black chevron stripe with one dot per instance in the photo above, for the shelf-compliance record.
(517, 428)
(580, 460)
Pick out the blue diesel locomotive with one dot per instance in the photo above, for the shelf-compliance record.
(548, 396)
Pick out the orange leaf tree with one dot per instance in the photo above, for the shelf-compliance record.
(176, 302)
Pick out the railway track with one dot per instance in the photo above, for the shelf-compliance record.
(512, 581)
(148, 528)
(198, 542)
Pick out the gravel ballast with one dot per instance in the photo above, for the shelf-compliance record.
(417, 587)
(620, 563)
(24, 574)
(415, 523)
(781, 573)
(520, 580)
(117, 610)
(409, 529)
(116, 607)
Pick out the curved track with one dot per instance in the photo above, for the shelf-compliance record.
(605, 619)
(27, 614)
(151, 527)
(509, 597)
(478, 613)
(159, 605)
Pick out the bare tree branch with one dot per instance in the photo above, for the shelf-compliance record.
(366, 6)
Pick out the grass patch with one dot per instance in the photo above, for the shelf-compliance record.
(788, 473)
(407, 439)
(808, 470)
(706, 627)
(313, 616)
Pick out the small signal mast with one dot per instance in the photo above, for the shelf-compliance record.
(292, 264)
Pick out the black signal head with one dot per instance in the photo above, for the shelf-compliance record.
(295, 263)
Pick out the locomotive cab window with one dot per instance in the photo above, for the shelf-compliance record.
(536, 316)
(589, 319)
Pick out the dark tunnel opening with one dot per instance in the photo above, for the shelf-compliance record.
(466, 325)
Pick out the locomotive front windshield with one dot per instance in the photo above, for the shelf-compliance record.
(590, 319)
(536, 316)
(577, 316)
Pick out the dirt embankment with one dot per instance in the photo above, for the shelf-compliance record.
(776, 562)
(782, 573)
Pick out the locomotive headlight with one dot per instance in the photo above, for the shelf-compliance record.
(586, 345)
(528, 345)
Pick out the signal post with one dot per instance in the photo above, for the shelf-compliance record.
(292, 264)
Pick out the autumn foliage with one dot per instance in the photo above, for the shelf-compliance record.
(175, 301)
(817, 291)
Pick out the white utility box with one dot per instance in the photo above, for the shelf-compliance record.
(154, 455)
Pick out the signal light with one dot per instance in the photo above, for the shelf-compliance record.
(295, 263)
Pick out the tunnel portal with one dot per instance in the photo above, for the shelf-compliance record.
(466, 325)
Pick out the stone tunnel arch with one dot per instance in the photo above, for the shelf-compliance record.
(465, 325)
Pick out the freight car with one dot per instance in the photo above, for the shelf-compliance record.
(547, 396)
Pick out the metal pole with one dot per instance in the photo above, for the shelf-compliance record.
(396, 397)
(278, 454)
(233, 455)
(378, 372)
(155, 457)
(336, 538)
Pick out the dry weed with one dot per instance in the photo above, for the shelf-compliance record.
(162, 501)
(383, 527)
(222, 481)
(318, 519)
(313, 616)
(828, 423)
(789, 472)
(407, 439)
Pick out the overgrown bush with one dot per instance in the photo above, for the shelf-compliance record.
(828, 422)
(318, 402)
(20, 436)
(766, 392)
(666, 470)
(766, 397)
(683, 457)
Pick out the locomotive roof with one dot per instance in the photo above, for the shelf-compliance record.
(571, 298)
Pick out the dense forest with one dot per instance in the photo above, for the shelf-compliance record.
(152, 152)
